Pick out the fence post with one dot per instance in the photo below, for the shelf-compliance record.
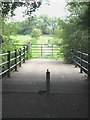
(24, 55)
(48, 82)
(15, 60)
(41, 50)
(8, 63)
(88, 66)
(20, 57)
(81, 56)
(75, 53)
(52, 50)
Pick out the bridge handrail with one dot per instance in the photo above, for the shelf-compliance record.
(82, 60)
(14, 58)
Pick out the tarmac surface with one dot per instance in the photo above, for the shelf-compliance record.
(24, 93)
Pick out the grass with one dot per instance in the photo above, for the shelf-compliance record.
(21, 38)
(45, 39)
(27, 38)
(55, 58)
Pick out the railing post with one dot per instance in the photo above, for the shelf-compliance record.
(27, 51)
(72, 53)
(8, 63)
(24, 55)
(16, 60)
(48, 82)
(81, 57)
(75, 58)
(20, 57)
(27, 48)
(88, 66)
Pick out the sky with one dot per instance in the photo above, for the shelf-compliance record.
(56, 8)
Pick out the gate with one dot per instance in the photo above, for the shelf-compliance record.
(45, 50)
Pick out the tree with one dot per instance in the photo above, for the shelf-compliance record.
(73, 32)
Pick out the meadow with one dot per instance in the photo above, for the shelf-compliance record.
(23, 39)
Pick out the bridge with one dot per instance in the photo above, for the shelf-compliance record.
(24, 91)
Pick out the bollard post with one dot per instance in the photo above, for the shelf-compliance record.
(48, 82)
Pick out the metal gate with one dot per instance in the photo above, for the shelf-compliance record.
(45, 50)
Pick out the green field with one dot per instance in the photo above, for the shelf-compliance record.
(27, 38)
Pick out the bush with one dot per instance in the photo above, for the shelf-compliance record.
(36, 33)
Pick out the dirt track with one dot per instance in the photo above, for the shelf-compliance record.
(68, 91)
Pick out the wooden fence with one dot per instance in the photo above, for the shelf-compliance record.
(12, 60)
(82, 60)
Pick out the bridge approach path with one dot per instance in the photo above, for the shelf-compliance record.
(68, 91)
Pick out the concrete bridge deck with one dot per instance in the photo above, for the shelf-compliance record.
(68, 91)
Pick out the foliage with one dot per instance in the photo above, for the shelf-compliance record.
(73, 32)
(6, 31)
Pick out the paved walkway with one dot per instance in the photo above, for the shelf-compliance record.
(68, 96)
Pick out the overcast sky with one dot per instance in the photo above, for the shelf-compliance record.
(56, 8)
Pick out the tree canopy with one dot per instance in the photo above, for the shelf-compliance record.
(31, 6)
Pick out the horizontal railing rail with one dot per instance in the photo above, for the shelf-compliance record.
(82, 60)
(13, 59)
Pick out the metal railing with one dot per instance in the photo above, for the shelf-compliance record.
(12, 60)
(82, 60)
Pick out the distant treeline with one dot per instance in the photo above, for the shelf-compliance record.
(44, 23)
